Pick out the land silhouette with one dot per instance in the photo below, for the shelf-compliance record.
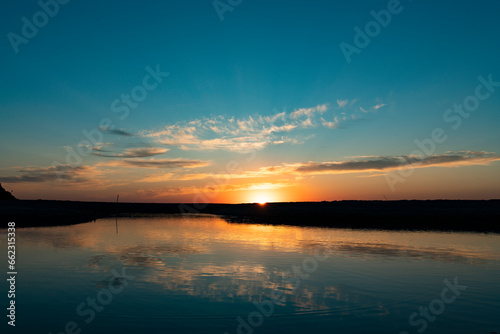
(440, 215)
(5, 195)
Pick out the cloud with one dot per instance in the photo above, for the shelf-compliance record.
(230, 134)
(261, 186)
(331, 125)
(118, 132)
(157, 178)
(157, 163)
(261, 172)
(64, 173)
(241, 144)
(250, 133)
(361, 164)
(342, 103)
(142, 152)
(378, 106)
(382, 163)
(308, 112)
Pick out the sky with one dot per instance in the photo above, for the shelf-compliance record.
(232, 101)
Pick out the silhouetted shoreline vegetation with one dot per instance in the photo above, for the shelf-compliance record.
(439, 215)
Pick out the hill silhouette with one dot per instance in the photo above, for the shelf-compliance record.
(5, 195)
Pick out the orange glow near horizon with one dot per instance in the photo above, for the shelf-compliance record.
(262, 197)
(485, 185)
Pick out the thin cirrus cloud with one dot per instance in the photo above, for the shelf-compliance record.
(142, 152)
(383, 163)
(157, 163)
(157, 178)
(117, 132)
(363, 164)
(63, 173)
(253, 132)
(378, 106)
(342, 103)
(308, 112)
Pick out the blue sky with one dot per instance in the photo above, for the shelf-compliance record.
(262, 59)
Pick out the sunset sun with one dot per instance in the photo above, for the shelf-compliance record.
(262, 199)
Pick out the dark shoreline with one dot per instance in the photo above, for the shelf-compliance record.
(437, 215)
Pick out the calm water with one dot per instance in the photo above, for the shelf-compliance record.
(205, 275)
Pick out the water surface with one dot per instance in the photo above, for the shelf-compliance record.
(205, 275)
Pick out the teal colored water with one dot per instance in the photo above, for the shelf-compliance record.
(204, 275)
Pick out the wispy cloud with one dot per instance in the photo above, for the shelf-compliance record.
(250, 133)
(64, 173)
(377, 164)
(342, 103)
(117, 132)
(383, 163)
(157, 178)
(378, 106)
(373, 108)
(142, 152)
(157, 163)
(308, 112)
